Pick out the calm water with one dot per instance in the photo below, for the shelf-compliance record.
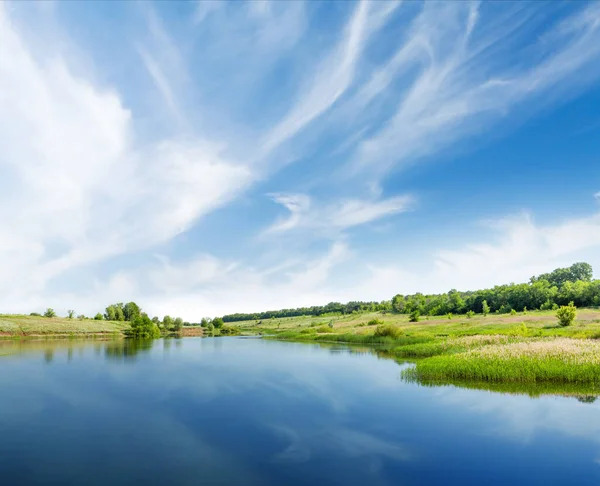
(246, 411)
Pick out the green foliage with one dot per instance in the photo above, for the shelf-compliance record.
(98, 317)
(177, 324)
(167, 323)
(388, 330)
(566, 314)
(204, 322)
(70, 313)
(470, 314)
(324, 329)
(36, 314)
(513, 312)
(131, 310)
(449, 315)
(218, 322)
(545, 291)
(227, 330)
(143, 327)
(114, 312)
(414, 316)
(81, 317)
(374, 322)
(49, 313)
(330, 324)
(485, 308)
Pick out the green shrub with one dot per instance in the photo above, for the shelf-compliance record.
(414, 316)
(470, 314)
(449, 315)
(374, 322)
(513, 312)
(98, 317)
(485, 308)
(566, 314)
(35, 314)
(230, 330)
(49, 313)
(388, 330)
(324, 329)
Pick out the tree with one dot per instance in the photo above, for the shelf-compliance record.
(143, 327)
(49, 312)
(566, 314)
(131, 310)
(217, 322)
(414, 316)
(204, 322)
(111, 313)
(98, 317)
(70, 313)
(177, 324)
(485, 308)
(156, 320)
(167, 322)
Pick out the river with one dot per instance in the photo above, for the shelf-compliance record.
(247, 411)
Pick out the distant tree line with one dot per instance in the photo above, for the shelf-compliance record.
(545, 292)
(333, 308)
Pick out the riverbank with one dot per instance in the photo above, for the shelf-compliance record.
(19, 326)
(523, 348)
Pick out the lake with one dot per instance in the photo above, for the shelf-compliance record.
(247, 411)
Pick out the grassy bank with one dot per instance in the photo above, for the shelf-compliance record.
(34, 326)
(524, 348)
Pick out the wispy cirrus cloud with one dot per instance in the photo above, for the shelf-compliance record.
(335, 217)
(463, 79)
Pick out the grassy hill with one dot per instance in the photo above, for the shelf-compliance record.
(19, 325)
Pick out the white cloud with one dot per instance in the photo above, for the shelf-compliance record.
(459, 86)
(338, 216)
(76, 187)
(597, 196)
(519, 249)
(334, 75)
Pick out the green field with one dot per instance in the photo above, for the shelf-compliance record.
(524, 348)
(31, 326)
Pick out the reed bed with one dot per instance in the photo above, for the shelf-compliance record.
(539, 360)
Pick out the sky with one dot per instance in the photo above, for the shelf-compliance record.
(205, 158)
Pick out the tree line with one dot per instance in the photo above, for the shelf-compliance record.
(547, 291)
(333, 308)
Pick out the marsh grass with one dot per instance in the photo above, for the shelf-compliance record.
(549, 360)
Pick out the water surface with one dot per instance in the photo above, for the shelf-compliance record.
(246, 411)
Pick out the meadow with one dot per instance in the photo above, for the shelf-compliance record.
(17, 326)
(527, 347)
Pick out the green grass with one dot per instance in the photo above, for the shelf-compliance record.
(461, 349)
(29, 326)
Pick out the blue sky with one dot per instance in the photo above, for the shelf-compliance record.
(204, 158)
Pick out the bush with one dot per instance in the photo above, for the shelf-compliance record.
(388, 330)
(35, 314)
(49, 313)
(485, 308)
(449, 315)
(566, 314)
(98, 317)
(217, 322)
(513, 312)
(230, 330)
(374, 322)
(70, 313)
(470, 314)
(324, 329)
(414, 316)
